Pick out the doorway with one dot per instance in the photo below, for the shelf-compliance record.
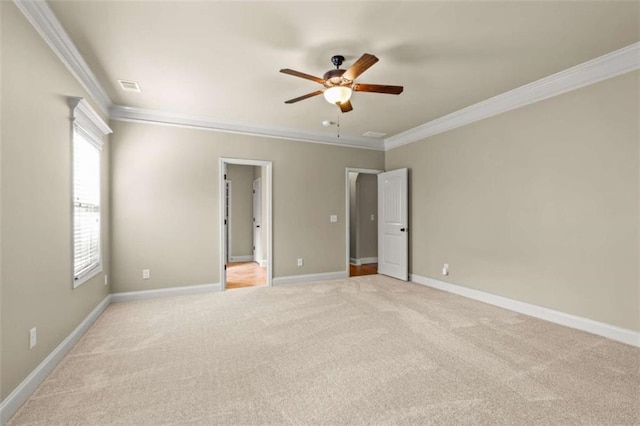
(362, 221)
(245, 228)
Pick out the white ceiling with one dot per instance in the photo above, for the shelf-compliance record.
(221, 59)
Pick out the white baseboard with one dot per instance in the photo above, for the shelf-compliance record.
(243, 258)
(619, 334)
(363, 260)
(291, 279)
(19, 396)
(263, 262)
(164, 292)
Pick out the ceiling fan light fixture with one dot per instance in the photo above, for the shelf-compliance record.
(337, 94)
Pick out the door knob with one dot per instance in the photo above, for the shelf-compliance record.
(403, 229)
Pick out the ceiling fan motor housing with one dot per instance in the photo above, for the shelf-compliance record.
(334, 78)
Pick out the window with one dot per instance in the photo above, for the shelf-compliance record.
(88, 130)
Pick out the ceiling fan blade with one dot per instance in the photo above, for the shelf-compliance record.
(378, 88)
(303, 97)
(345, 106)
(360, 66)
(302, 75)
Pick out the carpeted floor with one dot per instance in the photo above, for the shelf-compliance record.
(365, 350)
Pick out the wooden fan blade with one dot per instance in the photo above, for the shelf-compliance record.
(378, 88)
(302, 75)
(346, 106)
(303, 97)
(360, 66)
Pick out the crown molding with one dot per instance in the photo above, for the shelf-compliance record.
(82, 112)
(124, 113)
(40, 15)
(604, 67)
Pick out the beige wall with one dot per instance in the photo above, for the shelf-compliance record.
(539, 204)
(165, 203)
(241, 178)
(36, 275)
(367, 205)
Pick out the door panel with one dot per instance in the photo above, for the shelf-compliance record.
(393, 218)
(257, 220)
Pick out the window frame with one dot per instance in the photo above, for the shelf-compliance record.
(86, 123)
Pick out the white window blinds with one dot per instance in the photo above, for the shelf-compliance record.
(88, 130)
(86, 205)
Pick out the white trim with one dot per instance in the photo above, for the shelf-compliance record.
(604, 67)
(292, 279)
(347, 209)
(243, 258)
(124, 113)
(20, 394)
(263, 262)
(267, 215)
(130, 296)
(84, 116)
(40, 15)
(623, 335)
(363, 260)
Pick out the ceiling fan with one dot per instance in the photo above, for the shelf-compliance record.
(340, 84)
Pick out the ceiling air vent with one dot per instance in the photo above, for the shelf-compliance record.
(376, 135)
(129, 86)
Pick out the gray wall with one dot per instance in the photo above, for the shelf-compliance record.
(241, 178)
(367, 204)
(165, 203)
(353, 217)
(36, 221)
(539, 204)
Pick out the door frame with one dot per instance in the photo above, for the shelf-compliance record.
(347, 214)
(266, 215)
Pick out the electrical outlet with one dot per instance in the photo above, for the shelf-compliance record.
(373, 216)
(146, 274)
(33, 337)
(300, 262)
(106, 280)
(333, 218)
(445, 269)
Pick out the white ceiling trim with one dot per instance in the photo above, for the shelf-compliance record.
(607, 66)
(40, 15)
(124, 113)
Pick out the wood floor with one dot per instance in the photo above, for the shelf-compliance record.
(245, 274)
(366, 269)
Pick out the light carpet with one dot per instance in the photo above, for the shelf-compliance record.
(365, 350)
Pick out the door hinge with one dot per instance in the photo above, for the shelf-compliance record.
(225, 267)
(225, 176)
(225, 221)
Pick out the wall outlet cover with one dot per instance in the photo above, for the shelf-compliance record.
(33, 337)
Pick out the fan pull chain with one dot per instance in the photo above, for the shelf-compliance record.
(338, 125)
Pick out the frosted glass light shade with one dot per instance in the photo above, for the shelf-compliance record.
(337, 94)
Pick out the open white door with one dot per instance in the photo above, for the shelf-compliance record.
(393, 221)
(257, 220)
